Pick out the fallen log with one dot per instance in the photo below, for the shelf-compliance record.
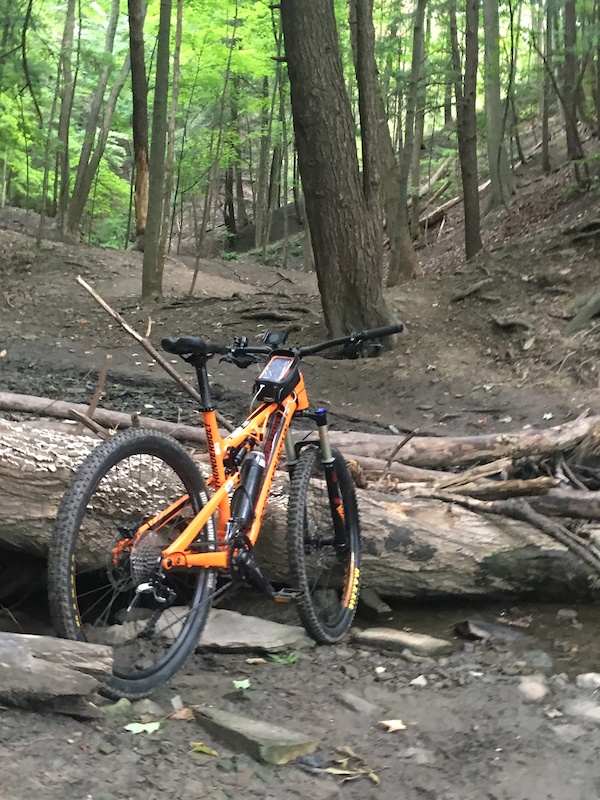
(419, 451)
(412, 547)
(42, 668)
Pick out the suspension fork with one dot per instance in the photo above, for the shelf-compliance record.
(331, 476)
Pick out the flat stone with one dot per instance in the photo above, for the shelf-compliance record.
(390, 639)
(230, 631)
(260, 740)
(358, 704)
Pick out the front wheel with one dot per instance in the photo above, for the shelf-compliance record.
(324, 555)
(106, 582)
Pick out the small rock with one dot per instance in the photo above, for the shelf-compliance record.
(566, 616)
(358, 704)
(390, 639)
(419, 755)
(148, 708)
(533, 688)
(588, 680)
(538, 659)
(260, 740)
(230, 631)
(420, 681)
(121, 708)
(351, 671)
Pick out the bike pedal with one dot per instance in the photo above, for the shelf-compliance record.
(287, 596)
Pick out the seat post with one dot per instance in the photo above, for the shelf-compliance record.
(199, 362)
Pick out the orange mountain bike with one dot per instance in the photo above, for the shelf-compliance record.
(140, 536)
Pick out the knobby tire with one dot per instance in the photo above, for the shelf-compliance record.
(327, 574)
(77, 609)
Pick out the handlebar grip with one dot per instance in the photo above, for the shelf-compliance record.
(379, 333)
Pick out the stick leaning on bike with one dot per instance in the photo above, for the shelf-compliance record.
(141, 536)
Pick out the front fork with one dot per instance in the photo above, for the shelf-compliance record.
(328, 460)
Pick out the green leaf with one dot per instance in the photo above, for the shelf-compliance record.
(243, 684)
(142, 727)
(291, 658)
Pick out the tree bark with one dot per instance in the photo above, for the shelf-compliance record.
(346, 236)
(64, 120)
(502, 179)
(139, 91)
(465, 89)
(152, 269)
(403, 259)
(41, 668)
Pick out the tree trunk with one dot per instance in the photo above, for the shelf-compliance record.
(64, 120)
(402, 258)
(501, 176)
(421, 98)
(412, 547)
(83, 181)
(346, 235)
(465, 89)
(405, 245)
(79, 195)
(139, 91)
(170, 157)
(152, 271)
(574, 146)
(547, 88)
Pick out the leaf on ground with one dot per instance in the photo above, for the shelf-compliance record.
(142, 727)
(291, 658)
(393, 725)
(351, 767)
(200, 747)
(185, 714)
(242, 684)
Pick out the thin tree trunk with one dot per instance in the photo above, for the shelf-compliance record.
(465, 90)
(170, 157)
(139, 90)
(404, 265)
(64, 120)
(79, 195)
(501, 177)
(82, 190)
(152, 266)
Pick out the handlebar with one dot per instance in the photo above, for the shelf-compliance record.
(194, 345)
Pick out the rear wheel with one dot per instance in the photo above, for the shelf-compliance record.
(325, 566)
(106, 584)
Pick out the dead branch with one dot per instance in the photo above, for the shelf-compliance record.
(151, 350)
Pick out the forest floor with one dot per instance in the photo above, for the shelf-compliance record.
(495, 359)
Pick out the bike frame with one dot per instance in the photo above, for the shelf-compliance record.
(254, 430)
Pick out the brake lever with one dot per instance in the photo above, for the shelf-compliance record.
(355, 349)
